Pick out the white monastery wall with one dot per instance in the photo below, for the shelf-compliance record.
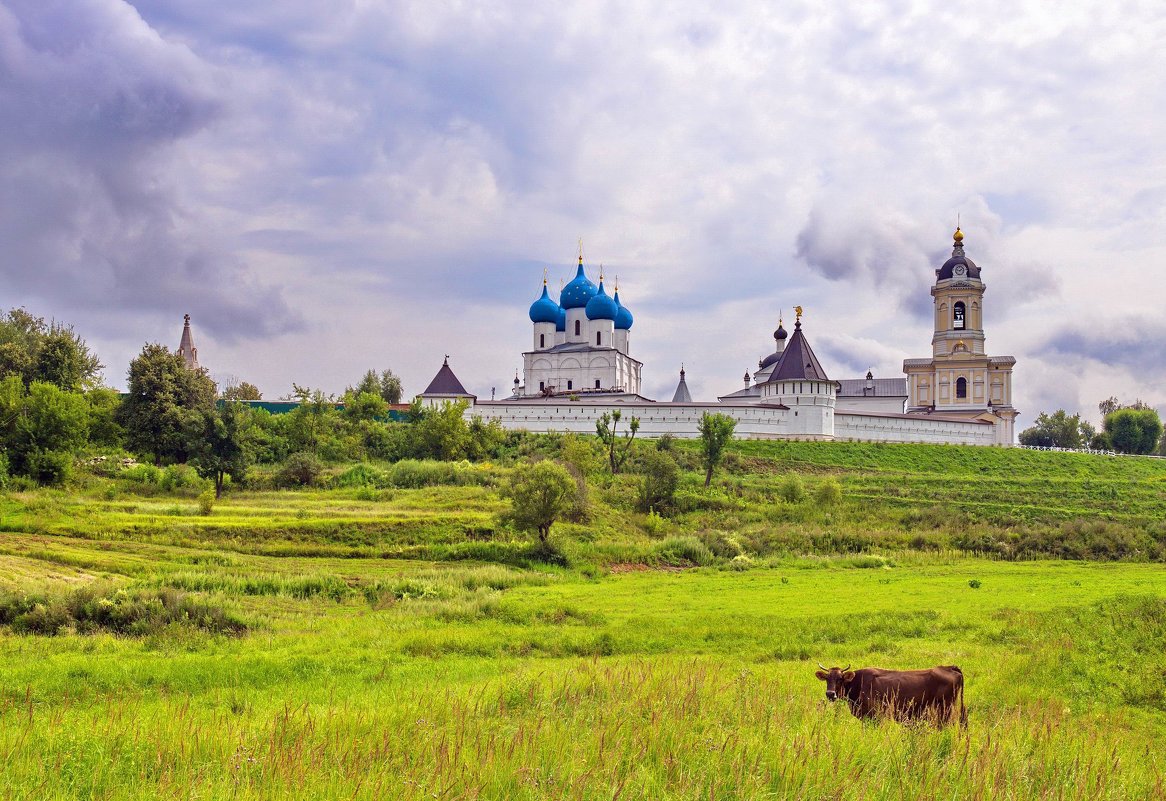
(754, 421)
(911, 428)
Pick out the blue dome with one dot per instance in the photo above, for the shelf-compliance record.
(580, 290)
(601, 307)
(544, 310)
(623, 317)
(561, 323)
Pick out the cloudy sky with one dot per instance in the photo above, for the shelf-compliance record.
(329, 187)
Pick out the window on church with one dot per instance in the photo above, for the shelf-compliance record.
(569, 383)
(576, 328)
(958, 315)
(597, 383)
(542, 340)
(961, 387)
(541, 385)
(598, 337)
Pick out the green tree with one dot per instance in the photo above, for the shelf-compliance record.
(242, 391)
(441, 432)
(364, 406)
(1058, 430)
(165, 397)
(387, 385)
(540, 494)
(314, 426)
(104, 428)
(218, 446)
(46, 351)
(606, 429)
(660, 478)
(41, 428)
(716, 431)
(1133, 430)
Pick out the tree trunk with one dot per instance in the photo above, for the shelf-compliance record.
(218, 485)
(708, 476)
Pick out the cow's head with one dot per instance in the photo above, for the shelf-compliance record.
(836, 680)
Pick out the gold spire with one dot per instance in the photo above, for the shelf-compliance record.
(580, 251)
(798, 311)
(544, 276)
(958, 236)
(601, 272)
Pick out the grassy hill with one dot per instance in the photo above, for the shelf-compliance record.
(388, 636)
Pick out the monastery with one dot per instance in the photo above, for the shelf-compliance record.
(580, 366)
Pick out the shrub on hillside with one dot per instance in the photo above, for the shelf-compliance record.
(413, 474)
(659, 478)
(302, 469)
(361, 474)
(93, 609)
(48, 467)
(682, 552)
(828, 493)
(792, 489)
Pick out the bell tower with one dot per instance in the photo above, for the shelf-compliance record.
(959, 305)
(960, 379)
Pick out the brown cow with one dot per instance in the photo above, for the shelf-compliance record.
(901, 694)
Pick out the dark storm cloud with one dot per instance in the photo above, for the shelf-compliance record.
(92, 107)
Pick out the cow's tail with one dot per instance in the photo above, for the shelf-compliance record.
(959, 688)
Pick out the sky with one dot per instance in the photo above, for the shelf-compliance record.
(332, 187)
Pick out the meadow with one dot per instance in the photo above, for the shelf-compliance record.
(373, 640)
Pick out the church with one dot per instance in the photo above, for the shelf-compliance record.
(580, 367)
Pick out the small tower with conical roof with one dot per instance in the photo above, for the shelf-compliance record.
(446, 388)
(682, 394)
(799, 382)
(186, 348)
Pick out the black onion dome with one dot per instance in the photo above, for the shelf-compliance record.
(780, 332)
(768, 360)
(957, 257)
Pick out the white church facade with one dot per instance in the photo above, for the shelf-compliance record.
(580, 367)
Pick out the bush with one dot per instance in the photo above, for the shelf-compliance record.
(828, 493)
(179, 477)
(413, 474)
(975, 584)
(722, 544)
(49, 467)
(682, 551)
(94, 609)
(791, 489)
(142, 474)
(660, 478)
(361, 475)
(301, 469)
(206, 502)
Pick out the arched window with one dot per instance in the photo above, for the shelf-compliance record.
(961, 387)
(597, 383)
(569, 384)
(957, 315)
(542, 385)
(598, 337)
(576, 328)
(542, 340)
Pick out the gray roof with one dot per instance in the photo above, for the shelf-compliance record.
(798, 361)
(446, 383)
(883, 388)
(682, 395)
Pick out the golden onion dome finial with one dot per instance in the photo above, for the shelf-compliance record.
(958, 236)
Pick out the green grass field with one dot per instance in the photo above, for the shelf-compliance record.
(399, 644)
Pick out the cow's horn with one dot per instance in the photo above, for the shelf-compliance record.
(846, 668)
(823, 667)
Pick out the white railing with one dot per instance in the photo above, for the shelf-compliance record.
(1093, 451)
